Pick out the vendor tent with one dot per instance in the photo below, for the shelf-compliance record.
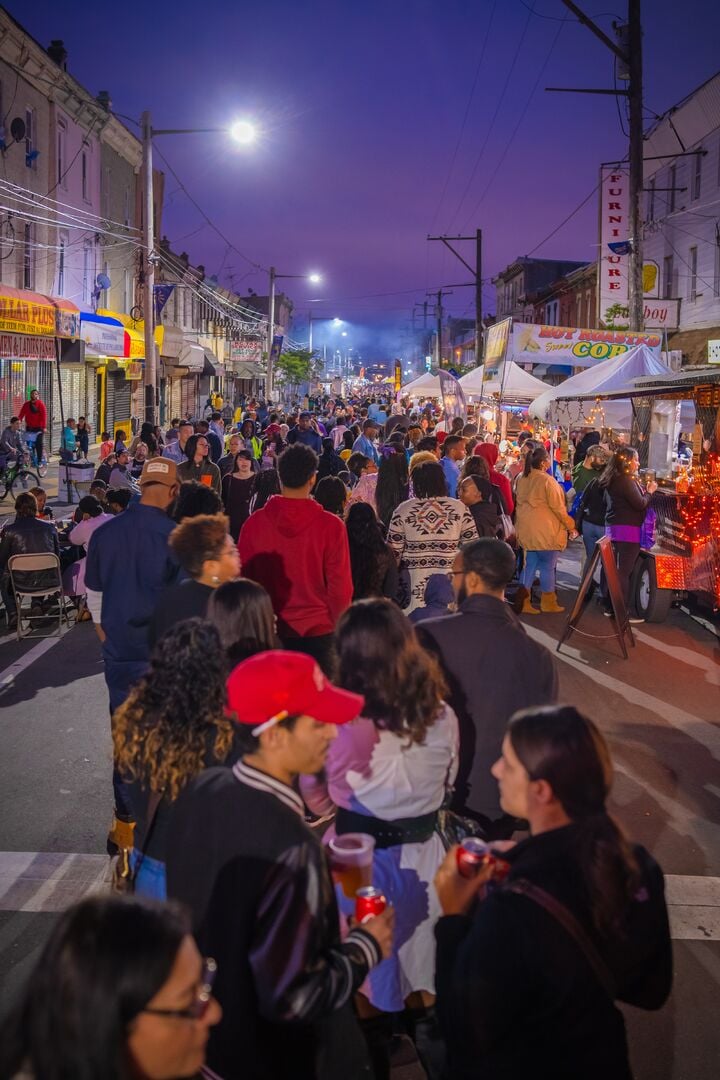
(609, 377)
(513, 383)
(472, 383)
(426, 385)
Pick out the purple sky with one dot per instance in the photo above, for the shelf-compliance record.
(362, 109)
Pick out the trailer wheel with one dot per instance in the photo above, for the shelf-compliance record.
(651, 603)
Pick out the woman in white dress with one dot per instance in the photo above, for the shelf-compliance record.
(387, 774)
(426, 532)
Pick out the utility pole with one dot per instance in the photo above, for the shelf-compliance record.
(149, 268)
(628, 50)
(270, 336)
(438, 322)
(477, 275)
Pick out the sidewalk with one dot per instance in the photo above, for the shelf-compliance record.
(51, 484)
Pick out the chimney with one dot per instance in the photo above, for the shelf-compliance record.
(104, 99)
(58, 53)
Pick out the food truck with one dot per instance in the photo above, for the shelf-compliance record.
(675, 427)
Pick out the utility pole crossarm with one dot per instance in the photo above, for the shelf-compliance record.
(587, 21)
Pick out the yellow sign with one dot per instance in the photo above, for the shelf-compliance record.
(23, 312)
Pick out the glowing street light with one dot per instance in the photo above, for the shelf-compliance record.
(244, 132)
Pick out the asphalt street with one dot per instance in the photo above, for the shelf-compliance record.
(659, 710)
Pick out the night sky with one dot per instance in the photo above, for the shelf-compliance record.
(363, 150)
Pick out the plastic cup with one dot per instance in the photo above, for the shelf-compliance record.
(351, 860)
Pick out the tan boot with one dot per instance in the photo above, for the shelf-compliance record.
(548, 602)
(528, 609)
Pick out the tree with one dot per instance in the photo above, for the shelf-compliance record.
(613, 313)
(293, 368)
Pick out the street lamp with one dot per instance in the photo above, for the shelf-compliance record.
(315, 279)
(242, 131)
(319, 318)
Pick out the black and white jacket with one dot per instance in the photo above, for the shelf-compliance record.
(257, 882)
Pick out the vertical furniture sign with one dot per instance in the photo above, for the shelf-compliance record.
(613, 265)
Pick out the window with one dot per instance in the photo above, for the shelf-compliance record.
(672, 184)
(28, 265)
(185, 308)
(126, 206)
(88, 271)
(668, 277)
(104, 295)
(84, 165)
(697, 176)
(692, 267)
(175, 305)
(61, 153)
(106, 192)
(63, 244)
(716, 269)
(127, 295)
(30, 160)
(651, 201)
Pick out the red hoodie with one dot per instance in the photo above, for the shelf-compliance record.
(490, 452)
(299, 553)
(34, 414)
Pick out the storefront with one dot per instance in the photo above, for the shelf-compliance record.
(104, 340)
(33, 328)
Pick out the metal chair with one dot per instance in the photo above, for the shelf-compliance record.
(81, 487)
(49, 564)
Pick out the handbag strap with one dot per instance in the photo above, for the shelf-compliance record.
(567, 920)
(153, 806)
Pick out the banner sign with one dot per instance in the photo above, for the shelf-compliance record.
(24, 312)
(247, 350)
(570, 345)
(452, 396)
(614, 226)
(397, 376)
(102, 338)
(26, 347)
(661, 314)
(276, 348)
(496, 345)
(162, 295)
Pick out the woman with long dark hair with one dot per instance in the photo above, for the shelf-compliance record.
(119, 992)
(372, 562)
(528, 976)
(237, 491)
(332, 495)
(242, 613)
(627, 504)
(387, 774)
(392, 484)
(267, 484)
(171, 727)
(543, 525)
(426, 531)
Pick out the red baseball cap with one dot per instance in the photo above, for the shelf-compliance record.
(270, 686)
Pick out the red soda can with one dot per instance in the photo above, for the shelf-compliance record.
(369, 902)
(472, 854)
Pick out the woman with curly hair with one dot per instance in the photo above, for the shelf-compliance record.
(387, 773)
(209, 556)
(372, 563)
(172, 726)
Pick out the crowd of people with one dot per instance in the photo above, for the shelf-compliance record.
(307, 635)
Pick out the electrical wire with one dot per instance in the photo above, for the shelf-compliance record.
(503, 92)
(564, 221)
(473, 88)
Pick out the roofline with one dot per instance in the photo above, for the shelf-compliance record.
(674, 108)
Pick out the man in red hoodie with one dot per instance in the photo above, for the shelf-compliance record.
(34, 414)
(299, 553)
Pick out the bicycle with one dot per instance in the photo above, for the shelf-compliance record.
(41, 467)
(15, 472)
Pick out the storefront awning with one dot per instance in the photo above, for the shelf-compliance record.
(211, 365)
(172, 341)
(247, 371)
(103, 336)
(192, 358)
(25, 312)
(694, 343)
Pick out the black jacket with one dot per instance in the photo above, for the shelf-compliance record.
(493, 669)
(29, 536)
(184, 600)
(593, 505)
(256, 880)
(627, 504)
(516, 996)
(486, 516)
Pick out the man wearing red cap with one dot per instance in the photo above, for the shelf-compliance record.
(299, 553)
(256, 880)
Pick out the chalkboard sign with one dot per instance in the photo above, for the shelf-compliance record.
(603, 554)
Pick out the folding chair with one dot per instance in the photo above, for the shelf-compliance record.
(49, 564)
(81, 488)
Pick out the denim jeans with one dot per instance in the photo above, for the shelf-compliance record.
(151, 878)
(591, 534)
(545, 562)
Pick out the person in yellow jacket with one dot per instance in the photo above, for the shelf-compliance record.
(543, 526)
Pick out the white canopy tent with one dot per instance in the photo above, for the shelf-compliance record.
(515, 384)
(563, 404)
(472, 383)
(426, 385)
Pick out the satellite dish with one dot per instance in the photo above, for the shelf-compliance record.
(17, 129)
(103, 281)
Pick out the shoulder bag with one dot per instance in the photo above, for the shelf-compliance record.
(570, 924)
(124, 875)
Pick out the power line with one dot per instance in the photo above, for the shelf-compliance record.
(564, 221)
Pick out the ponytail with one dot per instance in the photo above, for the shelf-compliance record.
(535, 459)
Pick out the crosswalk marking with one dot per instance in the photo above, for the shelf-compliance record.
(33, 881)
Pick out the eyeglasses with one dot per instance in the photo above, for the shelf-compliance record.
(200, 1005)
(450, 574)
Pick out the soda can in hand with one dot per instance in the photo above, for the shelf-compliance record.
(369, 902)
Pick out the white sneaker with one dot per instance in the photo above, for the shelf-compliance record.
(635, 619)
